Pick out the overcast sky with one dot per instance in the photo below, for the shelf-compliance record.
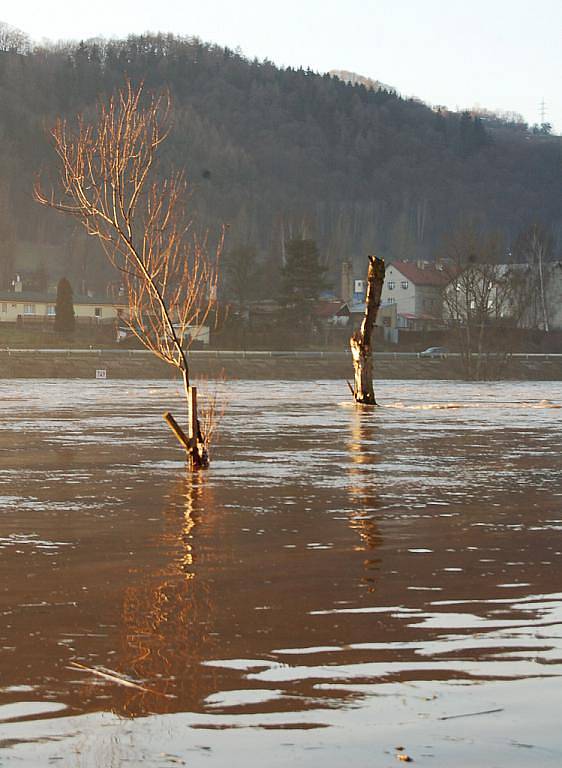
(499, 54)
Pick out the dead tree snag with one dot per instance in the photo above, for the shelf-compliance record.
(360, 342)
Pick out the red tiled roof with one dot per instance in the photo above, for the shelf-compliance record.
(326, 309)
(418, 276)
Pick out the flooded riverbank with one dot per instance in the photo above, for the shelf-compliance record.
(252, 365)
(343, 586)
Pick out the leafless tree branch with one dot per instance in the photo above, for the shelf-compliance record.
(169, 275)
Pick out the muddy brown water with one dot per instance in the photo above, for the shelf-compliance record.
(342, 587)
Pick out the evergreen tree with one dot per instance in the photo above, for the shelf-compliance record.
(302, 277)
(64, 308)
(241, 274)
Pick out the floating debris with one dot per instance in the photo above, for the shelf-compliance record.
(115, 677)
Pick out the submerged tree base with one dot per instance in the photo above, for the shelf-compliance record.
(363, 391)
(193, 442)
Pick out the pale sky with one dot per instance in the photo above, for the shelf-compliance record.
(500, 54)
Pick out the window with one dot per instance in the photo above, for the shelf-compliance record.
(404, 284)
(4, 307)
(391, 285)
(97, 312)
(51, 311)
(29, 309)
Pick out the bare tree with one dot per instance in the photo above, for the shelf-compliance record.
(483, 301)
(534, 247)
(13, 40)
(170, 276)
(7, 238)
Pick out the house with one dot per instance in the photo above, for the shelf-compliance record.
(331, 313)
(512, 293)
(194, 335)
(21, 306)
(351, 314)
(482, 292)
(417, 291)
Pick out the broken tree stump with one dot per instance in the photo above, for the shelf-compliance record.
(193, 441)
(198, 456)
(360, 342)
(177, 430)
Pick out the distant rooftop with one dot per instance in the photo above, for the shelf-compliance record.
(427, 275)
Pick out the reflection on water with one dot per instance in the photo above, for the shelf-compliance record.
(363, 496)
(341, 581)
(166, 617)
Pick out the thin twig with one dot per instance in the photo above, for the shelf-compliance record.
(471, 714)
(114, 677)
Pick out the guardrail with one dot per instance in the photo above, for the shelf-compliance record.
(260, 354)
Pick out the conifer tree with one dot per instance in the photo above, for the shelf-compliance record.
(303, 274)
(64, 308)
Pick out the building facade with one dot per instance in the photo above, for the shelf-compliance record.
(33, 307)
(417, 291)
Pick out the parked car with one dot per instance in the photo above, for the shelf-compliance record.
(435, 352)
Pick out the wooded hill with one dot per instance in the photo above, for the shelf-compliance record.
(275, 153)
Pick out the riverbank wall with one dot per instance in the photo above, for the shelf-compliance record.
(140, 364)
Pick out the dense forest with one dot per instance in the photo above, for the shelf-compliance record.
(273, 153)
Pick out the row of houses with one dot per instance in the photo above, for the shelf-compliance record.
(36, 308)
(415, 296)
(411, 299)
(420, 296)
(20, 306)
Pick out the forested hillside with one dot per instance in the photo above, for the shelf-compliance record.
(275, 153)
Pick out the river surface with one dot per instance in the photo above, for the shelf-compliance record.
(344, 586)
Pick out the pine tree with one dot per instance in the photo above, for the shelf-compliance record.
(64, 308)
(303, 274)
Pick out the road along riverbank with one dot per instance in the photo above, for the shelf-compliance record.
(140, 364)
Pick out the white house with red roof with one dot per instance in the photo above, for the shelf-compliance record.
(417, 291)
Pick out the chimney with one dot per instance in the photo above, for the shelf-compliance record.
(346, 281)
(17, 284)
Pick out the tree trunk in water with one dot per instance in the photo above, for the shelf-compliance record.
(193, 442)
(360, 342)
(198, 456)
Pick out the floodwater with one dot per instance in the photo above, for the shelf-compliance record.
(343, 587)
